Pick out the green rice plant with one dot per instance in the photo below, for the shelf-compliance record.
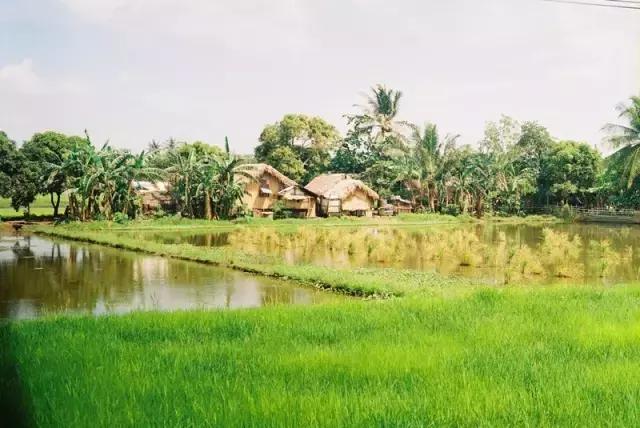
(484, 357)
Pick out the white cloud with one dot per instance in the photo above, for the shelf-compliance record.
(246, 24)
(20, 78)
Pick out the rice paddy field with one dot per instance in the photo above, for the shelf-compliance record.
(474, 324)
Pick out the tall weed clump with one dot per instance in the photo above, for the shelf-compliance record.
(560, 254)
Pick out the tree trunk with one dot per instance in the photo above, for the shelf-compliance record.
(207, 205)
(55, 204)
(432, 202)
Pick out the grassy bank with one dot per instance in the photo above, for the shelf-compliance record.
(177, 223)
(490, 358)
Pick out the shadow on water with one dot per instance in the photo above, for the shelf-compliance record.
(13, 401)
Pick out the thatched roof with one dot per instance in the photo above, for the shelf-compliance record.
(290, 193)
(150, 186)
(338, 186)
(256, 170)
(398, 199)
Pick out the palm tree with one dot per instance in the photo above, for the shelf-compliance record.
(81, 169)
(184, 175)
(626, 138)
(138, 170)
(380, 113)
(426, 165)
(220, 186)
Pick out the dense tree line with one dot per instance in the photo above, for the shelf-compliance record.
(516, 167)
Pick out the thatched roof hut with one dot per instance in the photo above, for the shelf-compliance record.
(400, 205)
(154, 195)
(258, 171)
(341, 194)
(269, 186)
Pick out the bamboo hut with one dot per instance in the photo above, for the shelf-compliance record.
(154, 195)
(400, 205)
(268, 186)
(339, 194)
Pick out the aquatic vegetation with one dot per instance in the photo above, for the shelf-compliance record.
(561, 254)
(523, 263)
(492, 253)
(605, 258)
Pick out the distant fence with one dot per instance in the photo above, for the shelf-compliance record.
(608, 215)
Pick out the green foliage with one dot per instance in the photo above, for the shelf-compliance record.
(280, 210)
(570, 171)
(205, 184)
(120, 218)
(9, 164)
(298, 146)
(47, 152)
(626, 137)
(18, 176)
(287, 162)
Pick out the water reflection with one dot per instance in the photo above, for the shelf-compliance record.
(40, 276)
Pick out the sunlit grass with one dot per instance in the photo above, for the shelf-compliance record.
(534, 357)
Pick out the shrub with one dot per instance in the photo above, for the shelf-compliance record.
(280, 210)
(159, 213)
(451, 209)
(120, 218)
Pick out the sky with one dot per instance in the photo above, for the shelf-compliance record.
(132, 71)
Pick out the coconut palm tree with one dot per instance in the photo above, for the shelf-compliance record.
(380, 113)
(626, 138)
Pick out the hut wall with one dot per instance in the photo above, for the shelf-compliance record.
(256, 202)
(308, 205)
(330, 207)
(357, 201)
(401, 207)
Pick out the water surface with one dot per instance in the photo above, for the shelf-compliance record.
(41, 276)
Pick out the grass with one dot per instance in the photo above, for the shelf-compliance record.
(449, 352)
(41, 207)
(544, 357)
(11, 214)
(177, 223)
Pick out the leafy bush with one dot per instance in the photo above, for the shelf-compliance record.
(280, 210)
(159, 213)
(451, 209)
(120, 218)
(567, 213)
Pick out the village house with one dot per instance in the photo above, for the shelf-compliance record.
(339, 194)
(400, 205)
(269, 186)
(154, 196)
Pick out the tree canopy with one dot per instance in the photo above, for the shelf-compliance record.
(299, 146)
(516, 166)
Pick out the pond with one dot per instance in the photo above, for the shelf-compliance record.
(40, 276)
(493, 253)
